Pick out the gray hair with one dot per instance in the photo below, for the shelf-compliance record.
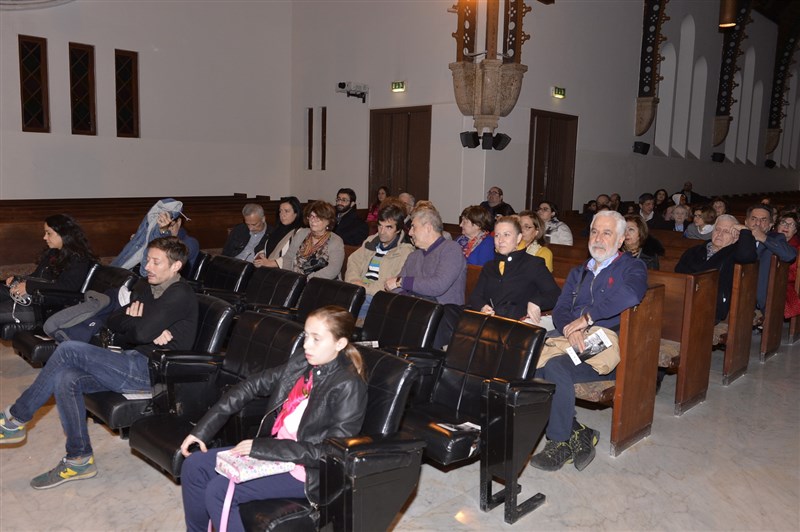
(253, 208)
(682, 207)
(617, 217)
(428, 214)
(728, 217)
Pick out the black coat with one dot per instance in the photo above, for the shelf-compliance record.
(238, 239)
(525, 278)
(694, 260)
(336, 408)
(352, 229)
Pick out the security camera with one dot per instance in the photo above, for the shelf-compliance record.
(342, 86)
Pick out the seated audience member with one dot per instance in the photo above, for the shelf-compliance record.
(533, 237)
(495, 205)
(247, 238)
(661, 201)
(615, 202)
(603, 200)
(556, 232)
(593, 297)
(639, 244)
(680, 218)
(160, 221)
(720, 206)
(702, 225)
(590, 211)
(730, 243)
(514, 284)
(679, 199)
(787, 226)
(63, 265)
(280, 236)
(382, 256)
(768, 243)
(380, 196)
(410, 202)
(437, 269)
(316, 251)
(476, 239)
(350, 228)
(317, 396)
(162, 313)
(648, 214)
(692, 197)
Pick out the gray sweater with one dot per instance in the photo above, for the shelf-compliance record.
(439, 273)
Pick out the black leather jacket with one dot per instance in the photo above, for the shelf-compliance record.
(336, 408)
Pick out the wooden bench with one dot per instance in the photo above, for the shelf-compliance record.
(774, 307)
(740, 322)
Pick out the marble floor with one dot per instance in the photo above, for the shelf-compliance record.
(731, 463)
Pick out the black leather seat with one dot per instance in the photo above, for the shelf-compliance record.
(224, 273)
(117, 412)
(258, 342)
(365, 480)
(274, 287)
(484, 379)
(318, 293)
(35, 347)
(396, 321)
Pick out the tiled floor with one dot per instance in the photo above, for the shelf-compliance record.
(731, 463)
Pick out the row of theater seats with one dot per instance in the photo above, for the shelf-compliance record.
(476, 399)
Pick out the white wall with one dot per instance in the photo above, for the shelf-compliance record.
(289, 56)
(214, 92)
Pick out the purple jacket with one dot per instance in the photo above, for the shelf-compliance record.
(438, 273)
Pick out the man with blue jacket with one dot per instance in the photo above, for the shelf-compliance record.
(768, 243)
(593, 297)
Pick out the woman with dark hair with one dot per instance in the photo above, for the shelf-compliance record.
(533, 237)
(702, 226)
(316, 250)
(382, 194)
(280, 237)
(639, 244)
(787, 226)
(476, 240)
(317, 395)
(64, 265)
(661, 201)
(556, 232)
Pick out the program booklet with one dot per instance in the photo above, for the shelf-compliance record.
(594, 343)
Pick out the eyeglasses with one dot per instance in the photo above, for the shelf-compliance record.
(787, 223)
(343, 200)
(493, 193)
(314, 216)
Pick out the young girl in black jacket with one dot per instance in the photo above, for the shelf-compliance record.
(319, 394)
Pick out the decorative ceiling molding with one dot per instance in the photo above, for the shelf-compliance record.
(731, 50)
(489, 88)
(18, 5)
(650, 59)
(780, 85)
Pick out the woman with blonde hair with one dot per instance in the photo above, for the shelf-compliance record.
(533, 237)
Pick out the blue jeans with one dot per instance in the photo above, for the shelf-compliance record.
(564, 374)
(362, 314)
(76, 368)
(204, 491)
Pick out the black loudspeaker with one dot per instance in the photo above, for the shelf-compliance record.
(769, 163)
(718, 157)
(470, 139)
(486, 141)
(641, 147)
(501, 140)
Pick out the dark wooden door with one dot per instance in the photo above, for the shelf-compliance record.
(551, 159)
(400, 150)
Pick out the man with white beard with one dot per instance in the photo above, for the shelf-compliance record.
(593, 297)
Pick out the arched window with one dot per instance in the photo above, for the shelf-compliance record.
(755, 122)
(666, 98)
(697, 114)
(683, 87)
(745, 104)
(730, 140)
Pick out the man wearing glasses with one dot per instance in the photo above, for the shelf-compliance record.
(495, 205)
(350, 228)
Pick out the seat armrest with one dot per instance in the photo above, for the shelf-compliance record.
(427, 361)
(288, 313)
(55, 296)
(520, 392)
(183, 366)
(365, 455)
(233, 298)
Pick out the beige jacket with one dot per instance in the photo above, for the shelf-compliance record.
(391, 264)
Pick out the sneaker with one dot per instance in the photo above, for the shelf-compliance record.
(64, 472)
(554, 455)
(11, 432)
(583, 441)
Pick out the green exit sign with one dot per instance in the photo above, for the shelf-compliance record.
(398, 86)
(559, 92)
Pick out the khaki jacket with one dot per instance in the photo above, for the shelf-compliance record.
(391, 264)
